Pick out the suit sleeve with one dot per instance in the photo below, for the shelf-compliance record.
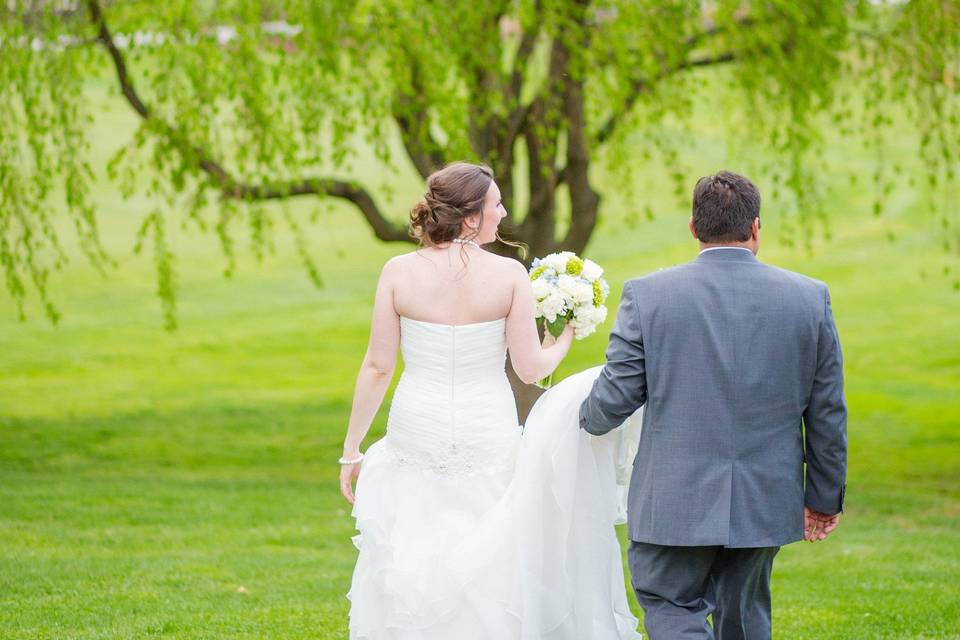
(621, 387)
(825, 423)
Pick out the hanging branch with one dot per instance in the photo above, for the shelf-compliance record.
(219, 177)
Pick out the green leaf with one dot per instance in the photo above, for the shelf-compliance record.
(557, 326)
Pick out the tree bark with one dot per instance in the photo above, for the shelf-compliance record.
(525, 395)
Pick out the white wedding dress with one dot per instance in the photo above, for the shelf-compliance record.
(469, 531)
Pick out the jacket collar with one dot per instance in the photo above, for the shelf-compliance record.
(727, 254)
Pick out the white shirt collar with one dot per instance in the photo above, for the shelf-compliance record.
(718, 248)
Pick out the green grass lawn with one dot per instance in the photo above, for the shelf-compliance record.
(184, 485)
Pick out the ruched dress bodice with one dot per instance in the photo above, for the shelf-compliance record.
(453, 410)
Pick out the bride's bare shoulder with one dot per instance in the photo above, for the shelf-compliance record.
(401, 261)
(394, 269)
(511, 266)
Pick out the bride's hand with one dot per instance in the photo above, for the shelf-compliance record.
(548, 340)
(348, 475)
(566, 336)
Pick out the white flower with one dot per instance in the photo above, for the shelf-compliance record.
(541, 288)
(557, 262)
(599, 315)
(582, 293)
(591, 270)
(586, 319)
(552, 306)
(583, 313)
(567, 286)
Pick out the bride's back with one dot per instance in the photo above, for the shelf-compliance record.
(453, 406)
(454, 285)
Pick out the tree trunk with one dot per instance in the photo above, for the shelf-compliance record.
(553, 117)
(526, 395)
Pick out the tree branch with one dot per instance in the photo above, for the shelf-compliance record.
(642, 85)
(492, 134)
(229, 186)
(484, 126)
(106, 39)
(348, 190)
(538, 225)
(410, 113)
(541, 132)
(513, 124)
(584, 201)
(525, 49)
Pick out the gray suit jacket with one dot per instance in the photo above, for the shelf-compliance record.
(740, 369)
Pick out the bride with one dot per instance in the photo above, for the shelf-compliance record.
(466, 529)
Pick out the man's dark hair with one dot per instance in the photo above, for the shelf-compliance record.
(724, 206)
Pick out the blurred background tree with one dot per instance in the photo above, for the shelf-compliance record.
(250, 101)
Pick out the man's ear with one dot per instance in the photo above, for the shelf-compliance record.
(693, 229)
(755, 231)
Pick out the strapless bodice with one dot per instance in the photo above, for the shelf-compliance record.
(459, 353)
(453, 409)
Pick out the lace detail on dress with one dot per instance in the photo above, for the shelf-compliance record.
(453, 459)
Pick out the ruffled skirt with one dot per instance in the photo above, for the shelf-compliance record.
(525, 550)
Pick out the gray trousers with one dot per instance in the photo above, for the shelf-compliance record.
(678, 587)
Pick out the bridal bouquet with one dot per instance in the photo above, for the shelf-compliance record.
(568, 288)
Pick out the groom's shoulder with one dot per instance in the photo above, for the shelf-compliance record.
(802, 288)
(674, 278)
(661, 277)
(797, 279)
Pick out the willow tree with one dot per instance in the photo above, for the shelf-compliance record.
(244, 102)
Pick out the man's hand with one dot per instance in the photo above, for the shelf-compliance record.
(817, 526)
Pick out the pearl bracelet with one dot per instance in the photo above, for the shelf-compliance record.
(354, 461)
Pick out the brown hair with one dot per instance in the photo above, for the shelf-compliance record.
(453, 194)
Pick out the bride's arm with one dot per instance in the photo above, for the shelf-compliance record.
(530, 360)
(378, 365)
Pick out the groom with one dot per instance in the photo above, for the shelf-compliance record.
(744, 444)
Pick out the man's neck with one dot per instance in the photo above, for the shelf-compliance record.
(727, 245)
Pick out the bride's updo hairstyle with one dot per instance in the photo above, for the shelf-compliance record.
(454, 193)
